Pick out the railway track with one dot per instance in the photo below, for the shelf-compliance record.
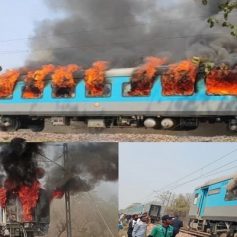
(195, 233)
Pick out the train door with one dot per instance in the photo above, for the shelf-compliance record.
(202, 203)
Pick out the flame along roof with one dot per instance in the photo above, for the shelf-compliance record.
(127, 71)
(216, 180)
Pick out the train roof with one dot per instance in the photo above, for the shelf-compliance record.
(127, 71)
(120, 72)
(216, 180)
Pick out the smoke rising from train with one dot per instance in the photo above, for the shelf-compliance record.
(124, 32)
(18, 160)
(87, 165)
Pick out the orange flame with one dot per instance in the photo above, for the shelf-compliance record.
(62, 78)
(3, 197)
(222, 81)
(29, 196)
(95, 78)
(144, 77)
(58, 194)
(7, 83)
(180, 79)
(35, 81)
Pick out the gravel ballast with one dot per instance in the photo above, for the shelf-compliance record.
(118, 137)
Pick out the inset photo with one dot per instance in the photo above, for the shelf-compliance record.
(58, 189)
(177, 189)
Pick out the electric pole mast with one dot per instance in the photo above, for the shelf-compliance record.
(67, 194)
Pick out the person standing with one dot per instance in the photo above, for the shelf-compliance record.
(131, 224)
(177, 224)
(140, 227)
(163, 230)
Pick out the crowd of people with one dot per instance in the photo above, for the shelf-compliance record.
(142, 226)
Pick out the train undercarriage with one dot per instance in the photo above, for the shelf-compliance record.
(37, 124)
(214, 227)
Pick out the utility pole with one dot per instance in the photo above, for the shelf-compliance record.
(67, 194)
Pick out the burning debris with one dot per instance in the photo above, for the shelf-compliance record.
(180, 79)
(35, 81)
(95, 79)
(143, 78)
(7, 83)
(63, 82)
(222, 80)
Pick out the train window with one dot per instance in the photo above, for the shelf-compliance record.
(63, 92)
(105, 93)
(231, 195)
(180, 86)
(214, 191)
(127, 91)
(195, 199)
(8, 97)
(31, 93)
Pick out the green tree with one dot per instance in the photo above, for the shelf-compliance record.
(226, 7)
(180, 205)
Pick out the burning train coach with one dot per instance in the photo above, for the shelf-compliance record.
(24, 204)
(154, 95)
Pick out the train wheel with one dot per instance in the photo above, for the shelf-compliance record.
(232, 125)
(37, 126)
(168, 123)
(10, 124)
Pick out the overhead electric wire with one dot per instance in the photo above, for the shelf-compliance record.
(100, 215)
(200, 177)
(207, 174)
(49, 160)
(105, 45)
(166, 187)
(98, 29)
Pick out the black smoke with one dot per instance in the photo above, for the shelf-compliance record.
(87, 164)
(19, 163)
(125, 31)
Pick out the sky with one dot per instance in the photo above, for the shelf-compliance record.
(18, 19)
(148, 167)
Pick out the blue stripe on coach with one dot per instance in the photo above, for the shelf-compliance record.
(116, 95)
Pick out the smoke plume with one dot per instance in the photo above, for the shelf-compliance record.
(125, 31)
(87, 164)
(232, 186)
(18, 160)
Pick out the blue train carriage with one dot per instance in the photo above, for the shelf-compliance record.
(214, 207)
(117, 108)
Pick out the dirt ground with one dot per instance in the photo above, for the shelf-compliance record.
(124, 234)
